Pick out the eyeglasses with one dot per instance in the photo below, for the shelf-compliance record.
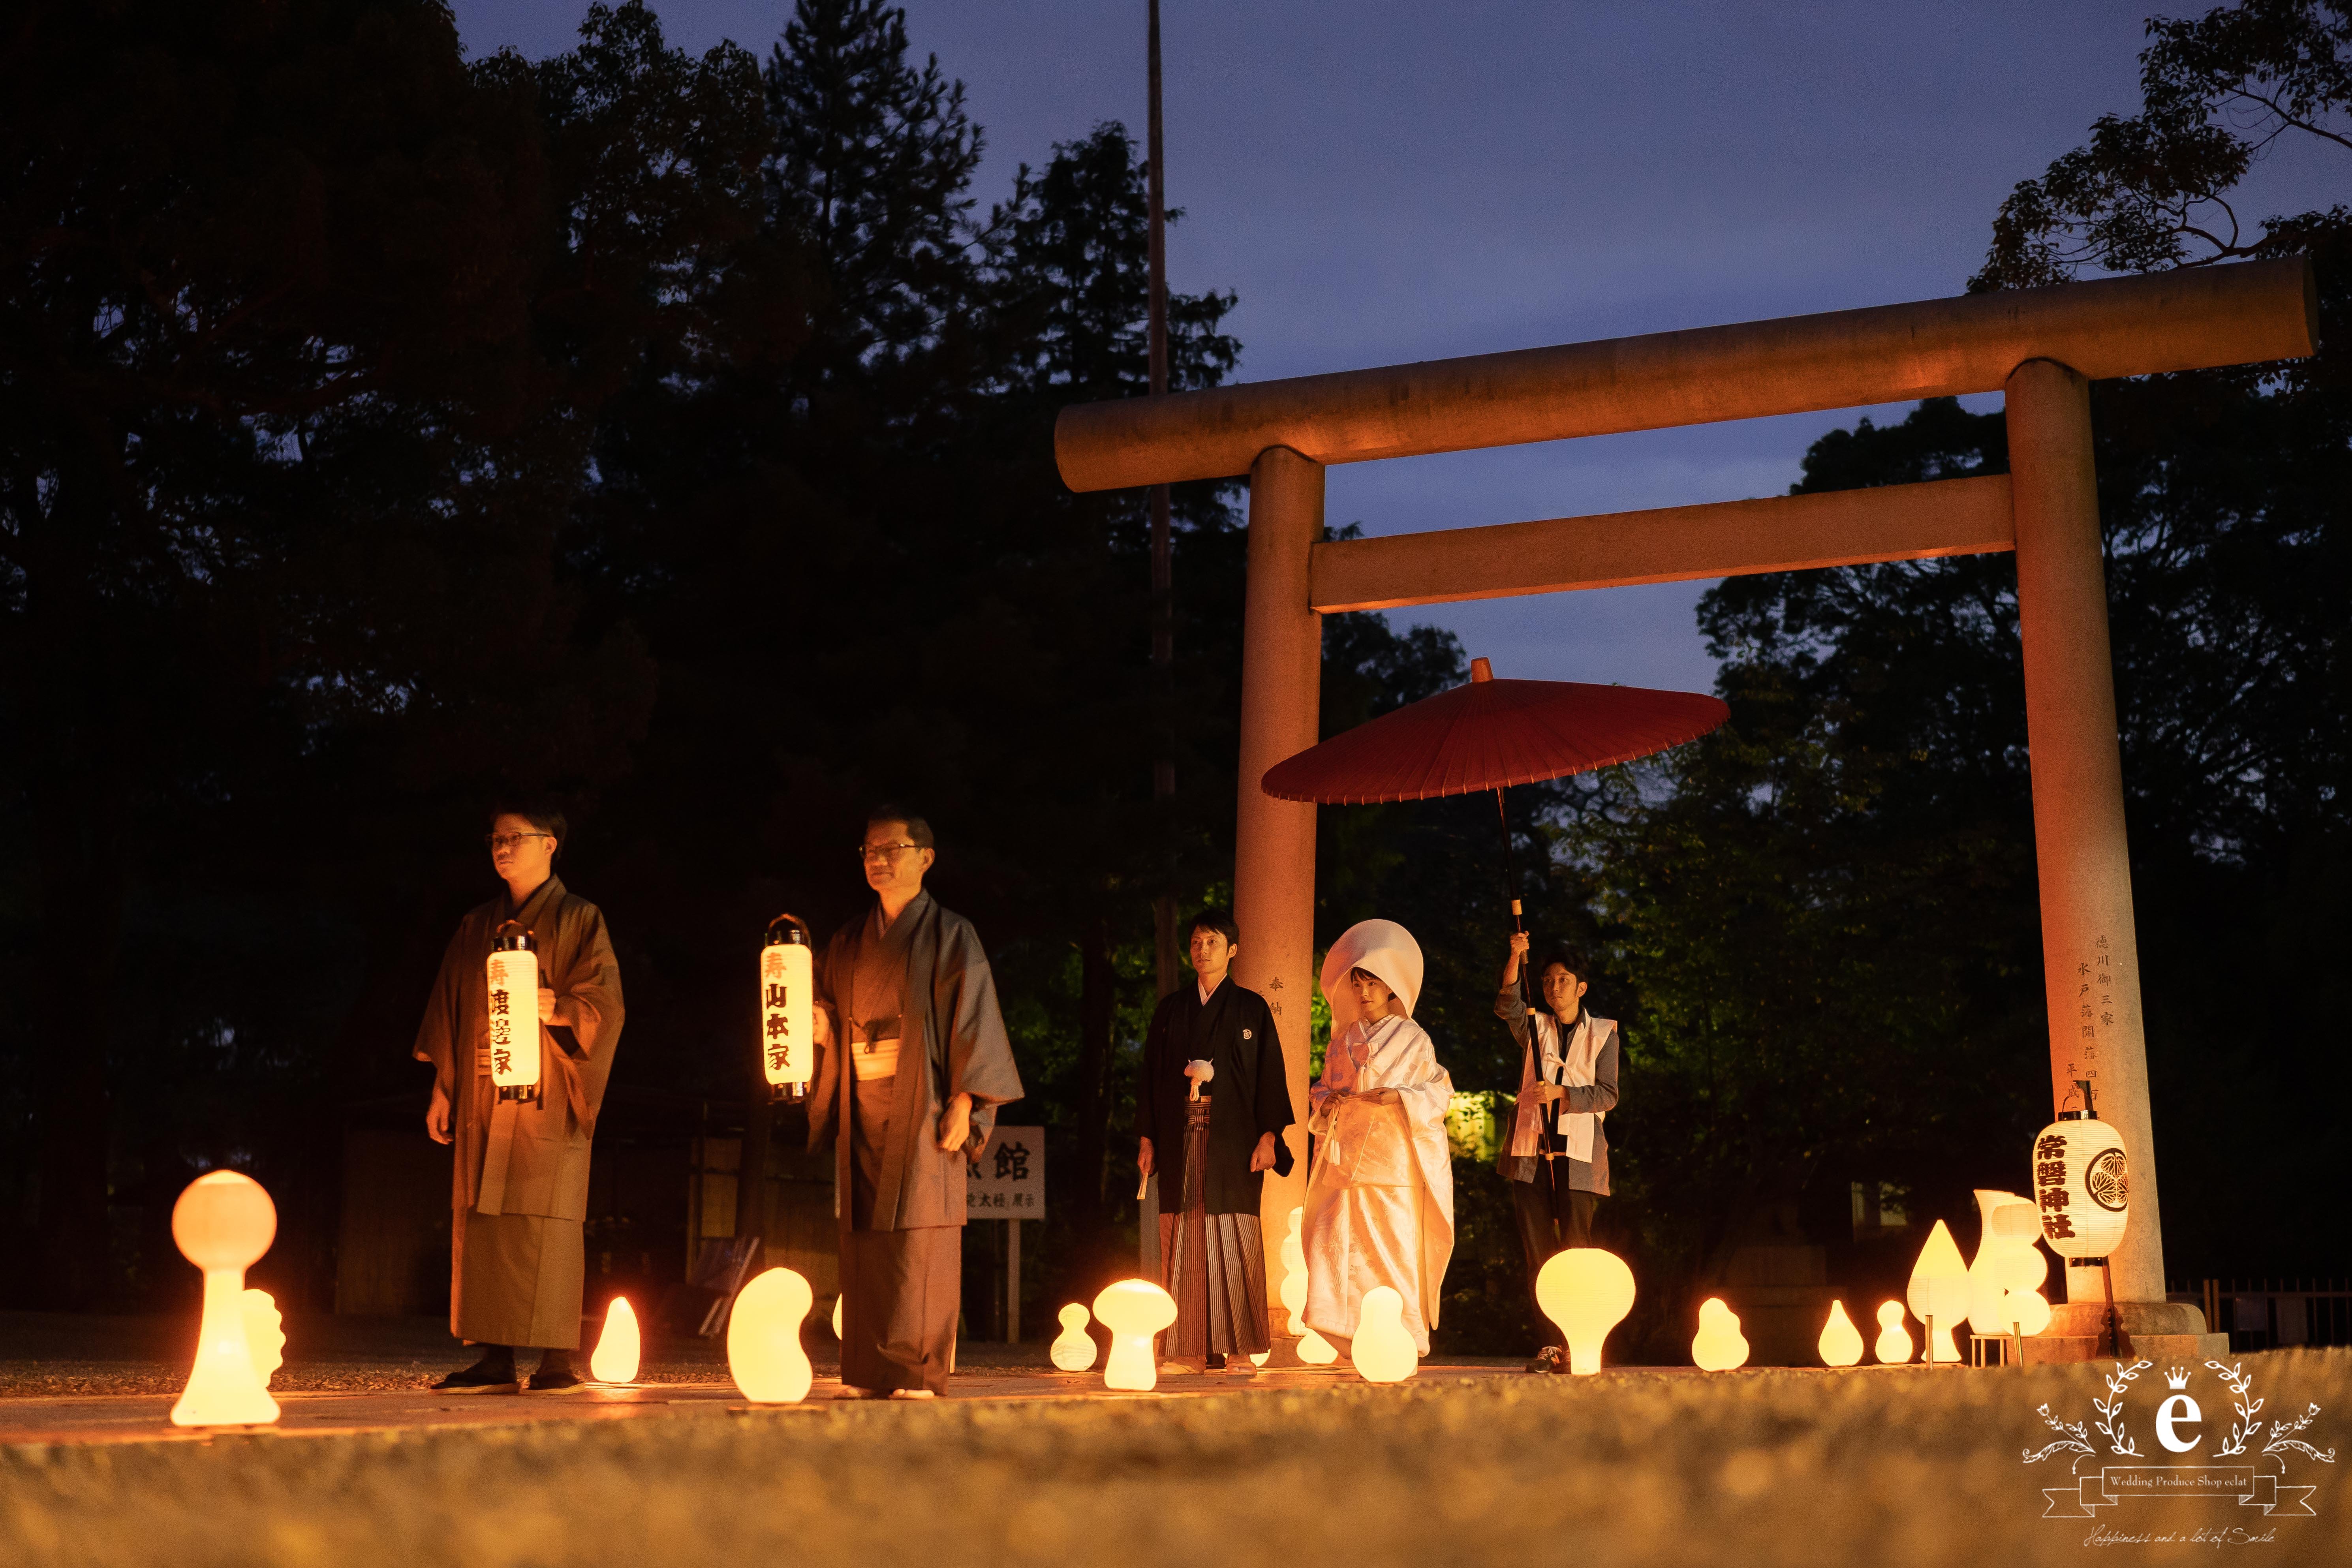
(498, 841)
(883, 851)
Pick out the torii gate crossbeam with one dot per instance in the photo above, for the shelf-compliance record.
(2040, 347)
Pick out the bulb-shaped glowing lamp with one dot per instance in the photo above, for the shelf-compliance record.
(1074, 1348)
(763, 1338)
(1840, 1342)
(1586, 1290)
(1894, 1339)
(1133, 1311)
(2024, 1313)
(1718, 1346)
(1938, 1292)
(618, 1347)
(787, 1009)
(514, 1013)
(265, 1333)
(223, 1222)
(1383, 1349)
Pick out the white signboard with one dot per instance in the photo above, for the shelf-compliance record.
(1009, 1183)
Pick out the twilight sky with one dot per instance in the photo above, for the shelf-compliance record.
(1391, 180)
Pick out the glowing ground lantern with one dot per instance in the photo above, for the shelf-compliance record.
(1939, 1293)
(223, 1223)
(1074, 1348)
(1587, 1290)
(1840, 1341)
(265, 1333)
(1382, 1349)
(1133, 1311)
(514, 1013)
(763, 1338)
(787, 1009)
(1894, 1345)
(1718, 1346)
(618, 1346)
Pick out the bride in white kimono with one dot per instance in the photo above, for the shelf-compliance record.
(1379, 1202)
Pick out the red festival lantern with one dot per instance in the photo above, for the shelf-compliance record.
(514, 1013)
(787, 1009)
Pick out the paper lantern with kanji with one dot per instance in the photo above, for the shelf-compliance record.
(2081, 1187)
(514, 1013)
(787, 1009)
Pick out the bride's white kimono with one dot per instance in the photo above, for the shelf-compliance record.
(1379, 1202)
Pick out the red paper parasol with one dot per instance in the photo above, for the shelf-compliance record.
(1491, 734)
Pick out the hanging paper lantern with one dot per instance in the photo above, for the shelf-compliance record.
(1840, 1341)
(514, 1013)
(787, 1009)
(2081, 1187)
(1718, 1346)
(1383, 1349)
(1074, 1348)
(223, 1223)
(1586, 1290)
(1894, 1340)
(1133, 1311)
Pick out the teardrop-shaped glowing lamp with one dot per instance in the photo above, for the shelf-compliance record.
(763, 1338)
(1383, 1349)
(1718, 1346)
(1294, 1279)
(1938, 1292)
(1894, 1340)
(1840, 1342)
(617, 1347)
(787, 1009)
(1587, 1290)
(514, 1013)
(1133, 1311)
(836, 1317)
(223, 1223)
(1074, 1348)
(265, 1333)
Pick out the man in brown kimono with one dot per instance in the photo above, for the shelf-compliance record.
(519, 1190)
(913, 1062)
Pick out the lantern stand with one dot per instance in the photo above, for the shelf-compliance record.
(781, 972)
(2115, 1346)
(513, 936)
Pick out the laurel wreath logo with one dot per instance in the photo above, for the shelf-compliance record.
(2075, 1437)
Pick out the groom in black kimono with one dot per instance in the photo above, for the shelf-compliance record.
(1209, 1134)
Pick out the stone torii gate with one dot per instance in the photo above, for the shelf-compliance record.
(2041, 348)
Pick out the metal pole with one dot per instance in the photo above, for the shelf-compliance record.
(1166, 939)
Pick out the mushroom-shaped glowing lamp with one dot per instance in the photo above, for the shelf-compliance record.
(1938, 1292)
(1718, 1346)
(514, 1013)
(1840, 1342)
(1133, 1311)
(1587, 1290)
(1383, 1349)
(1200, 1072)
(787, 1009)
(223, 1222)
(618, 1347)
(265, 1333)
(763, 1338)
(1894, 1339)
(1074, 1348)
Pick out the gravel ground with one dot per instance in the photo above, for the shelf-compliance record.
(1876, 1466)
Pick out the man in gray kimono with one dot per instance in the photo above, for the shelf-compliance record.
(913, 1062)
(520, 1189)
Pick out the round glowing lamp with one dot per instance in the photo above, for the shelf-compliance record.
(1586, 1290)
(1718, 1346)
(223, 1222)
(514, 1013)
(763, 1338)
(1074, 1348)
(618, 1347)
(1383, 1349)
(1840, 1341)
(787, 1009)
(1133, 1311)
(1894, 1340)
(1938, 1292)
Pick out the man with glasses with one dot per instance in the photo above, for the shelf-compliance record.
(519, 1190)
(913, 1062)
